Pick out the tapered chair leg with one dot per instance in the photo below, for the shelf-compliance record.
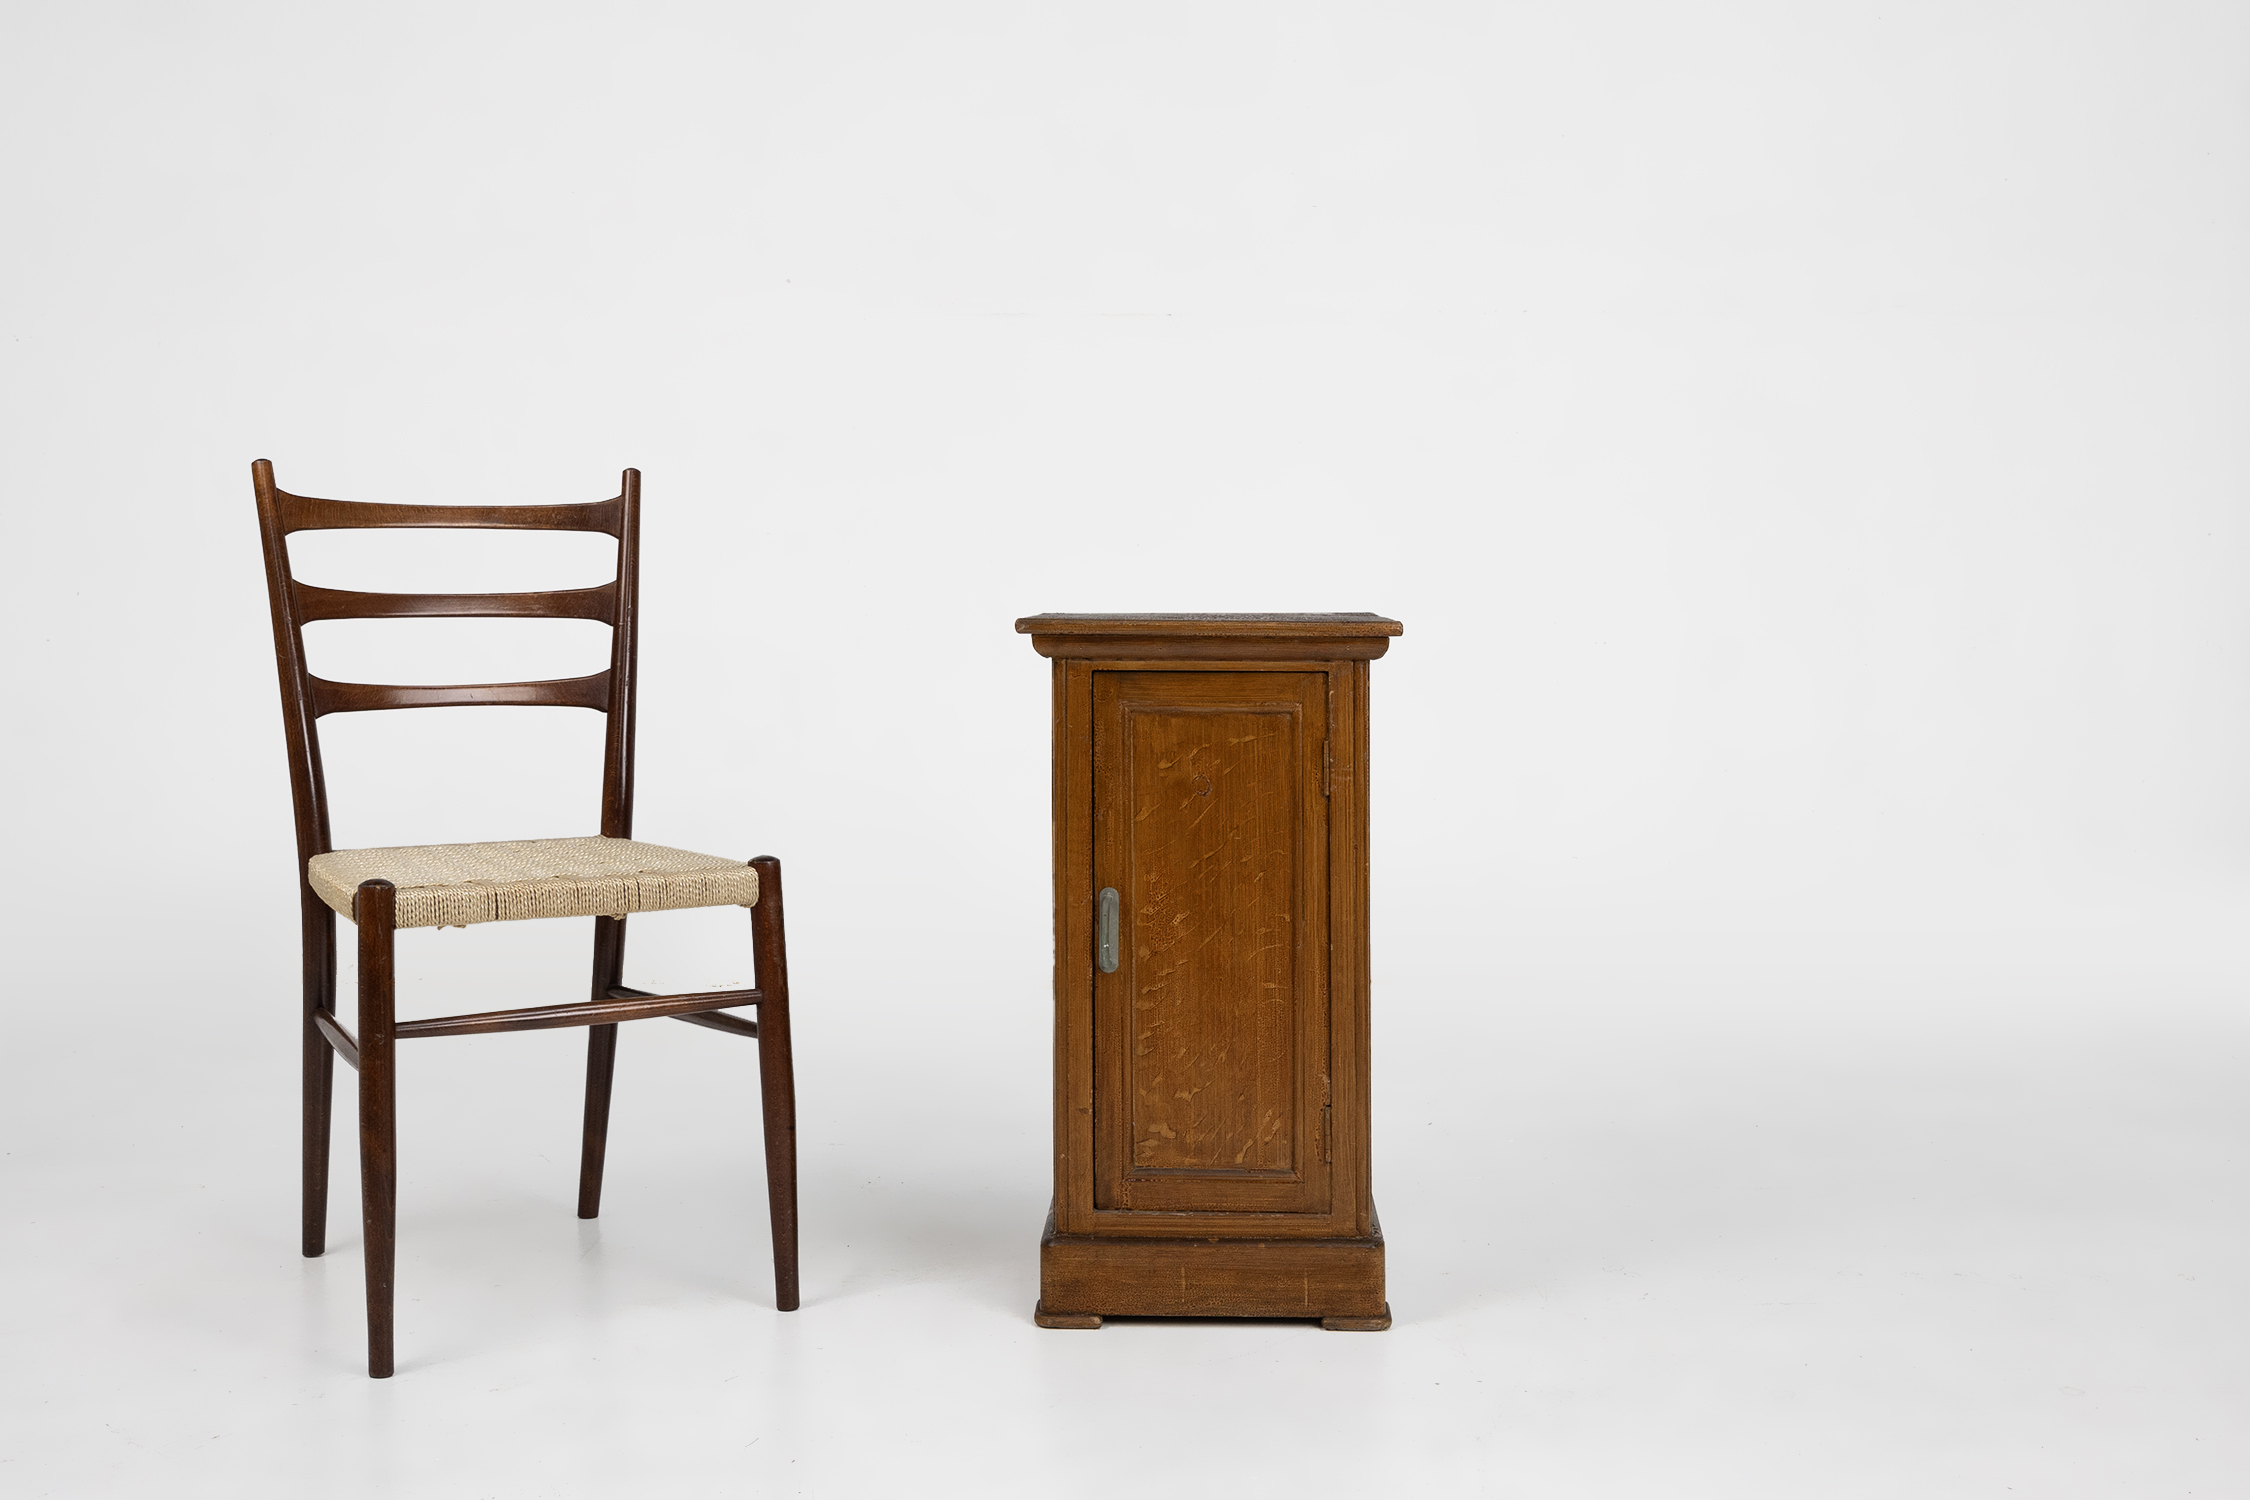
(320, 1068)
(601, 1066)
(374, 910)
(777, 1081)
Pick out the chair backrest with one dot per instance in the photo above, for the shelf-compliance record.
(306, 699)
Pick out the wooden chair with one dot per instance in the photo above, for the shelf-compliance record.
(606, 877)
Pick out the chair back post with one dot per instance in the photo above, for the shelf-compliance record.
(308, 794)
(624, 653)
(307, 786)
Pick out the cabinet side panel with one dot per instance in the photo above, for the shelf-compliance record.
(1348, 990)
(1074, 969)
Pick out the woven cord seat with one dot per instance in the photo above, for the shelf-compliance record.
(455, 885)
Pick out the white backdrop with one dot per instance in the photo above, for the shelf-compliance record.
(1804, 445)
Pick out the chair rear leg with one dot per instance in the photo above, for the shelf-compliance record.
(375, 912)
(777, 1079)
(320, 1069)
(601, 1066)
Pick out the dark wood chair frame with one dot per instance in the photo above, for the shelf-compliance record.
(306, 699)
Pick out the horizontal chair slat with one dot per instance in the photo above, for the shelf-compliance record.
(360, 697)
(307, 513)
(599, 1013)
(597, 603)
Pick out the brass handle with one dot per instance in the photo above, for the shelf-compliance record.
(1105, 930)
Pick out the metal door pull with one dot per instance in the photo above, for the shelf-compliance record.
(1105, 930)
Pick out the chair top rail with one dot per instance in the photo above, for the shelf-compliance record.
(308, 513)
(361, 697)
(598, 603)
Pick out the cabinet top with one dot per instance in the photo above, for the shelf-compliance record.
(1243, 636)
(1360, 623)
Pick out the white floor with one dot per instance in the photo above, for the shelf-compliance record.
(1872, 1219)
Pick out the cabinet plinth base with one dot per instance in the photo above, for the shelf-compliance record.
(1339, 1281)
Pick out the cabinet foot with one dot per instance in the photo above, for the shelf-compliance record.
(1359, 1325)
(1046, 1319)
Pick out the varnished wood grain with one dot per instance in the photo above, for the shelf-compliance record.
(1201, 1128)
(1283, 638)
(374, 912)
(360, 697)
(598, 603)
(1348, 626)
(1350, 1010)
(601, 1063)
(1209, 821)
(1074, 944)
(777, 1081)
(318, 939)
(1222, 1277)
(309, 802)
(1208, 1041)
(621, 729)
(309, 513)
(1300, 650)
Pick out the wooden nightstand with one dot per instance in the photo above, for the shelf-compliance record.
(1211, 1097)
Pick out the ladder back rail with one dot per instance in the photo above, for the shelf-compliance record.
(598, 604)
(360, 697)
(306, 698)
(308, 513)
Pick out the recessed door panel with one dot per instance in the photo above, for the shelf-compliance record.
(1210, 1035)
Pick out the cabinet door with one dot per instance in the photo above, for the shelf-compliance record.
(1211, 1036)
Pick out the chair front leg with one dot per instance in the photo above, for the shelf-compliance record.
(374, 909)
(777, 1077)
(320, 1068)
(601, 1066)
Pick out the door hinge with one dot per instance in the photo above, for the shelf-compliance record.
(1328, 1132)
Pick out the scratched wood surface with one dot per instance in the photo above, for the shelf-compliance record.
(1211, 1146)
(1209, 1037)
(1213, 875)
(1085, 1277)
